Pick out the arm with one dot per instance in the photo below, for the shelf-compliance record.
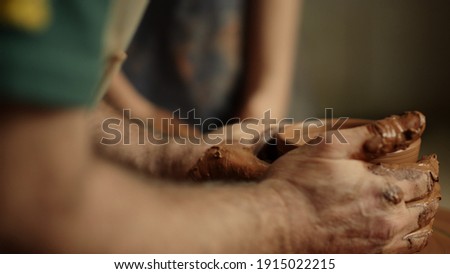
(173, 150)
(273, 32)
(56, 197)
(123, 95)
(130, 140)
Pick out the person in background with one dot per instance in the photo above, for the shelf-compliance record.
(224, 59)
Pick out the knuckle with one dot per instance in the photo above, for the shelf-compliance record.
(388, 193)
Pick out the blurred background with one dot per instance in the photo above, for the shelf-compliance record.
(374, 58)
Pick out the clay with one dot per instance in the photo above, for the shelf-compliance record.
(230, 162)
(396, 138)
(394, 133)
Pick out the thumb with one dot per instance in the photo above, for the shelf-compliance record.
(378, 138)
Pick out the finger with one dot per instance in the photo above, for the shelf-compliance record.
(418, 240)
(420, 213)
(412, 215)
(412, 243)
(416, 180)
(415, 224)
(376, 139)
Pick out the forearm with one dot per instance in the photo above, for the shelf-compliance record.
(142, 147)
(57, 197)
(271, 56)
(123, 95)
(133, 143)
(120, 213)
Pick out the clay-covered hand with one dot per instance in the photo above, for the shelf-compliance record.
(338, 202)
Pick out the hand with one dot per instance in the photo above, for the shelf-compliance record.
(338, 202)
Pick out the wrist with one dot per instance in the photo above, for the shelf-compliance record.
(178, 159)
(293, 214)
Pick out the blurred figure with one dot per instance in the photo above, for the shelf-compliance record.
(222, 58)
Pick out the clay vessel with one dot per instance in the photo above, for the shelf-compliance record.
(312, 129)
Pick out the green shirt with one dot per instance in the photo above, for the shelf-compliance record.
(58, 60)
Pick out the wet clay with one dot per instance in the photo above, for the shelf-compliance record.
(396, 139)
(229, 162)
(394, 133)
